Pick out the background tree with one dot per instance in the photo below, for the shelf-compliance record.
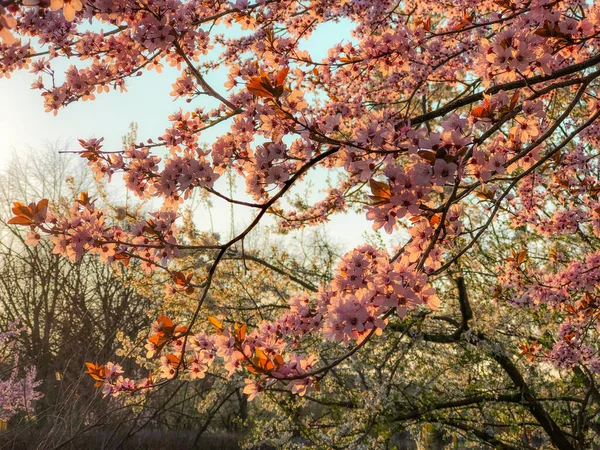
(69, 312)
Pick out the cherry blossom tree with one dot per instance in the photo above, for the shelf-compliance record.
(466, 130)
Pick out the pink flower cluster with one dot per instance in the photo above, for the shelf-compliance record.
(19, 391)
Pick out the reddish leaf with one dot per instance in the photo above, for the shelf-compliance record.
(98, 373)
(241, 332)
(20, 221)
(517, 257)
(20, 209)
(514, 99)
(549, 30)
(428, 156)
(174, 361)
(484, 111)
(84, 198)
(261, 86)
(435, 219)
(29, 215)
(281, 76)
(159, 341)
(250, 367)
(427, 24)
(42, 207)
(215, 323)
(478, 111)
(262, 358)
(124, 257)
(381, 192)
(179, 278)
(166, 322)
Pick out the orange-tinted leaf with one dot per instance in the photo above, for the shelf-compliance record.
(173, 360)
(261, 85)
(21, 210)
(215, 323)
(166, 322)
(550, 30)
(482, 112)
(98, 373)
(179, 278)
(478, 111)
(181, 330)
(517, 257)
(90, 156)
(381, 192)
(467, 20)
(349, 60)
(524, 347)
(28, 215)
(485, 194)
(521, 256)
(269, 34)
(262, 358)
(427, 155)
(20, 221)
(514, 99)
(159, 340)
(527, 350)
(426, 24)
(279, 360)
(241, 332)
(124, 257)
(504, 3)
(569, 336)
(252, 369)
(435, 219)
(84, 198)
(41, 207)
(281, 76)
(497, 291)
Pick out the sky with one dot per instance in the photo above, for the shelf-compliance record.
(25, 127)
